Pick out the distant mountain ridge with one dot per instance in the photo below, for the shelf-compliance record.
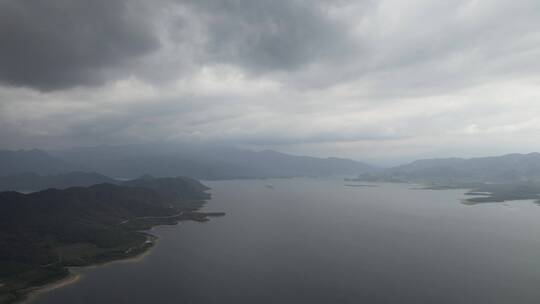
(33, 182)
(223, 162)
(510, 168)
(32, 161)
(204, 162)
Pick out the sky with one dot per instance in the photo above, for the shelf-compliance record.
(380, 81)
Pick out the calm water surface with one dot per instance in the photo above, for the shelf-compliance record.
(318, 241)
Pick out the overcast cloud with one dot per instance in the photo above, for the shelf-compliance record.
(381, 80)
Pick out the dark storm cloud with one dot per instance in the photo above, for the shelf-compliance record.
(265, 36)
(56, 44)
(59, 44)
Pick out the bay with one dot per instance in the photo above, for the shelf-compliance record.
(320, 241)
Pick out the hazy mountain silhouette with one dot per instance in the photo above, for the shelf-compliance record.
(511, 168)
(204, 162)
(34, 161)
(33, 182)
(36, 169)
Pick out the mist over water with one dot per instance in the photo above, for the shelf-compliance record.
(319, 241)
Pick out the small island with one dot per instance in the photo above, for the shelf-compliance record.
(44, 233)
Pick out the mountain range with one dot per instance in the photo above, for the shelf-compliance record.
(197, 161)
(32, 161)
(36, 169)
(510, 168)
(28, 182)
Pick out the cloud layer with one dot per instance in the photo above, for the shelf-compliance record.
(365, 79)
(57, 44)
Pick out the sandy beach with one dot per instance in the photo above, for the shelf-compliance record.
(75, 273)
(73, 277)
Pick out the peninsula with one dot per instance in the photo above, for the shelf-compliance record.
(44, 233)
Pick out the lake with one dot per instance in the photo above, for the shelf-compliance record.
(320, 241)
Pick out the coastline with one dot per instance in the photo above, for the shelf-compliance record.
(75, 274)
(90, 236)
(131, 259)
(133, 255)
(34, 293)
